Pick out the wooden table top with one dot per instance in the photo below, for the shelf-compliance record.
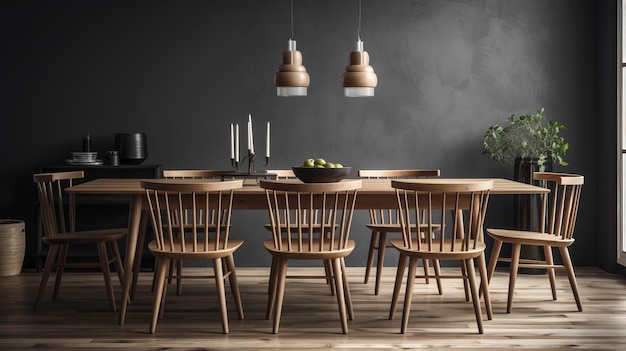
(373, 193)
(116, 186)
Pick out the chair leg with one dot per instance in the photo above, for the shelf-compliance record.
(493, 260)
(154, 277)
(328, 272)
(165, 286)
(53, 251)
(438, 276)
(117, 261)
(60, 269)
(159, 275)
(567, 262)
(179, 279)
(484, 285)
(515, 253)
(426, 266)
(408, 295)
(234, 284)
(397, 284)
(346, 290)
(380, 263)
(273, 286)
(341, 299)
(471, 275)
(466, 287)
(106, 272)
(547, 251)
(280, 293)
(221, 292)
(271, 276)
(370, 256)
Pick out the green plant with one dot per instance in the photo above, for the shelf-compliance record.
(526, 136)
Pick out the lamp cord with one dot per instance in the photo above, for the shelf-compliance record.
(359, 28)
(291, 20)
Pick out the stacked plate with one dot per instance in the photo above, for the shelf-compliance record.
(84, 158)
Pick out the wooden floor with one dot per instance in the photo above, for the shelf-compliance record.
(81, 318)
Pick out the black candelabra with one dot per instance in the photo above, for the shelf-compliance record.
(250, 158)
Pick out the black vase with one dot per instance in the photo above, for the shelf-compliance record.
(132, 148)
(527, 208)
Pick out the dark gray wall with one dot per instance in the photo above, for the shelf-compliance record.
(181, 71)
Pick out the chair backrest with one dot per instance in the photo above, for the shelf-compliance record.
(194, 173)
(450, 213)
(57, 209)
(390, 215)
(560, 205)
(282, 173)
(300, 212)
(208, 202)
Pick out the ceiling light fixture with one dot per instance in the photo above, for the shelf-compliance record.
(291, 79)
(359, 78)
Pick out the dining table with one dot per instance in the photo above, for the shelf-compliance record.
(374, 193)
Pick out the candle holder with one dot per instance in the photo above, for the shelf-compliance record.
(251, 159)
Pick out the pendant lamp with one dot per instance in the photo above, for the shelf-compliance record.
(359, 78)
(291, 79)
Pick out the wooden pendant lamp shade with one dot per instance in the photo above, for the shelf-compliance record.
(359, 78)
(291, 79)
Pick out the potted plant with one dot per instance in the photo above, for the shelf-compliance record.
(526, 138)
(530, 145)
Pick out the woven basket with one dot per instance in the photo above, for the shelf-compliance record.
(12, 246)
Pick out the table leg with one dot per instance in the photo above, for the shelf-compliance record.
(134, 218)
(139, 252)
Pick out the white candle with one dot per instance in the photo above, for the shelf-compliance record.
(267, 140)
(232, 141)
(237, 142)
(249, 122)
(251, 134)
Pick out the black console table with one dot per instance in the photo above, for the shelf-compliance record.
(95, 212)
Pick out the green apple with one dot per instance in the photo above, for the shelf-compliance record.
(319, 166)
(338, 165)
(329, 165)
(309, 162)
(320, 162)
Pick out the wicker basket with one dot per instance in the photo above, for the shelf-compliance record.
(12, 246)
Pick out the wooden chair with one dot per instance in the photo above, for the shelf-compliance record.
(187, 174)
(458, 236)
(58, 217)
(206, 238)
(558, 217)
(310, 221)
(385, 221)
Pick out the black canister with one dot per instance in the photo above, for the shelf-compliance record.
(113, 158)
(132, 147)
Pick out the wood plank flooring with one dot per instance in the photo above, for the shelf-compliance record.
(81, 319)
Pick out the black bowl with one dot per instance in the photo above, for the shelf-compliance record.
(321, 175)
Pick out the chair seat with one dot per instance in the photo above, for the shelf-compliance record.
(395, 227)
(86, 236)
(528, 237)
(177, 252)
(314, 253)
(439, 252)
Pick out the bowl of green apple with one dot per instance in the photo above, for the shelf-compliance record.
(318, 170)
